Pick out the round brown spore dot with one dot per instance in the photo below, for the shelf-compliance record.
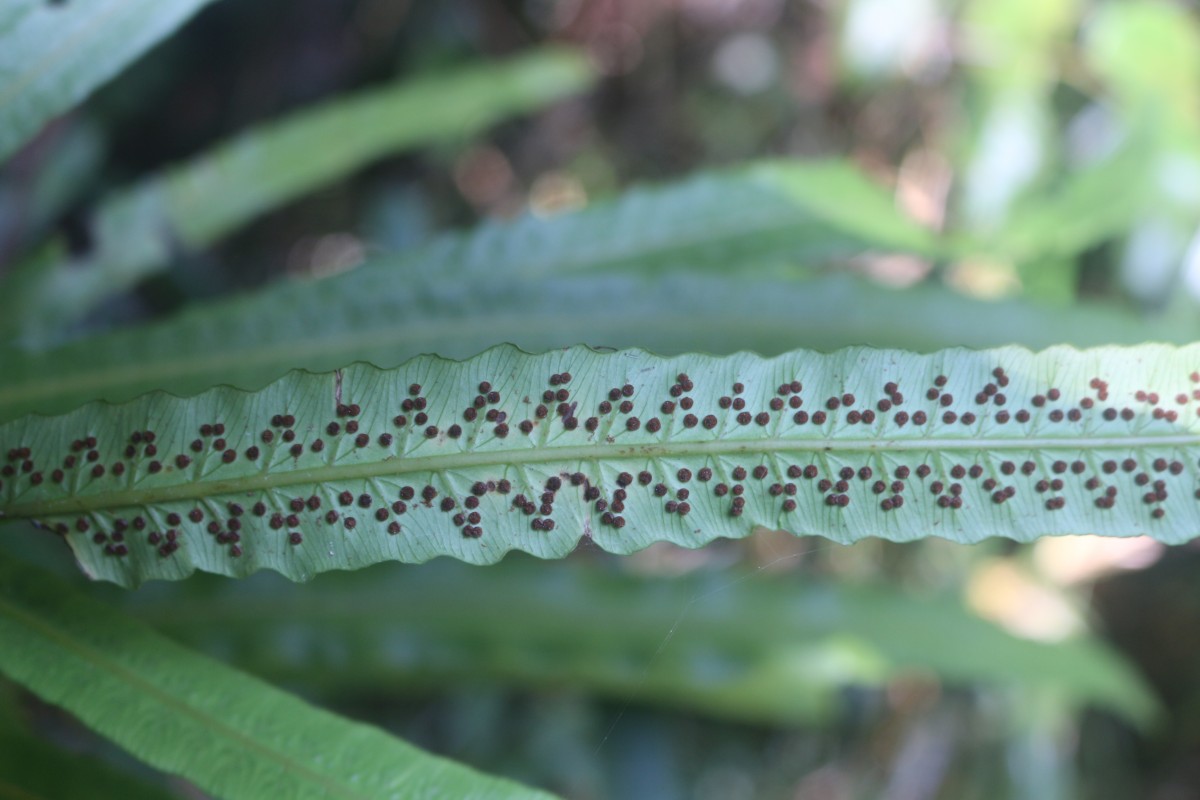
(878, 487)
(720, 490)
(949, 417)
(428, 493)
(900, 418)
(421, 418)
(1129, 465)
(932, 394)
(1078, 467)
(1022, 416)
(936, 487)
(760, 471)
(501, 430)
(967, 418)
(632, 424)
(975, 471)
(819, 417)
(653, 425)
(644, 477)
(591, 424)
(919, 418)
(923, 471)
(668, 407)
(350, 523)
(833, 403)
(196, 446)
(297, 450)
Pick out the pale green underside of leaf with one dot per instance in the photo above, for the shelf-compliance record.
(52, 55)
(230, 734)
(410, 629)
(299, 491)
(141, 229)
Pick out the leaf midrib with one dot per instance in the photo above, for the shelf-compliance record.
(398, 465)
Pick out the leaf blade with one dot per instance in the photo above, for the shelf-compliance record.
(140, 229)
(421, 478)
(454, 623)
(229, 733)
(92, 40)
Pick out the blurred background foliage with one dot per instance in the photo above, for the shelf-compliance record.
(991, 171)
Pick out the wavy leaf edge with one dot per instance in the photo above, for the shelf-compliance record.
(674, 463)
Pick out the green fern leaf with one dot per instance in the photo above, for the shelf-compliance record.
(534, 452)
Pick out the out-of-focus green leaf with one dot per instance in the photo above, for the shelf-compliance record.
(228, 733)
(373, 314)
(773, 650)
(475, 458)
(61, 170)
(138, 230)
(1100, 201)
(578, 278)
(1149, 53)
(54, 54)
